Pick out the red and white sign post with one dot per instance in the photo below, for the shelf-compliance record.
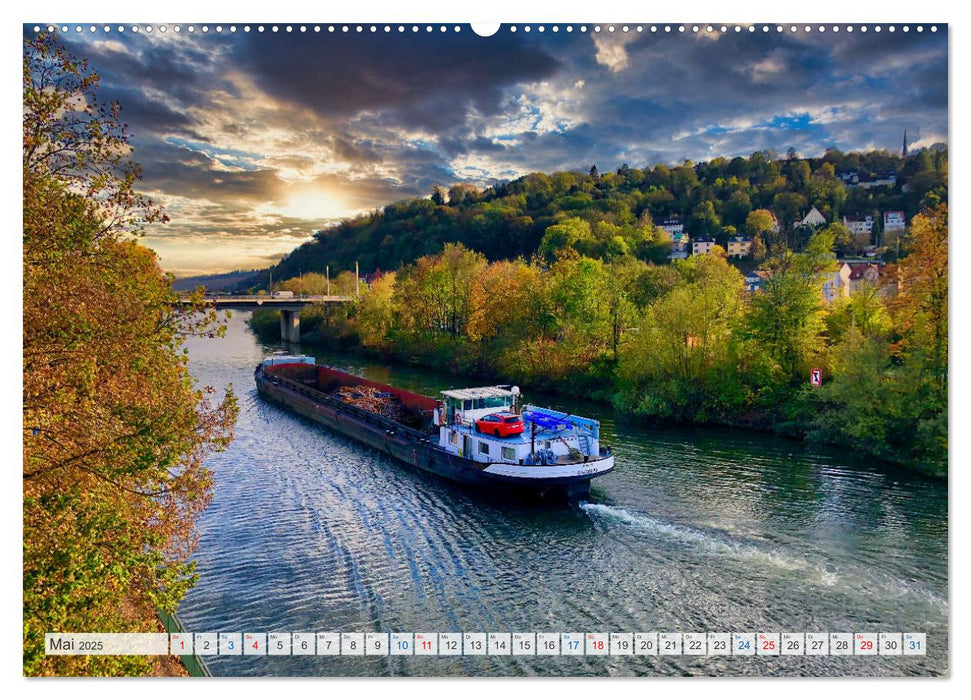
(816, 376)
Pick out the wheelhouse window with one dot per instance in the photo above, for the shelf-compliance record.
(483, 448)
(509, 453)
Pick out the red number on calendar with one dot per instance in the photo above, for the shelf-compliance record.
(867, 646)
(256, 645)
(426, 645)
(598, 645)
(768, 645)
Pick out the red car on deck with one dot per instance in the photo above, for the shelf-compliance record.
(501, 424)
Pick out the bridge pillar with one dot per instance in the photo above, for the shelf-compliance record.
(290, 325)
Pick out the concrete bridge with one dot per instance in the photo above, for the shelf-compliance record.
(289, 308)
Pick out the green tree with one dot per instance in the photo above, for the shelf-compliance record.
(788, 206)
(677, 363)
(564, 235)
(703, 220)
(787, 318)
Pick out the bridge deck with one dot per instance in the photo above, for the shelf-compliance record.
(253, 301)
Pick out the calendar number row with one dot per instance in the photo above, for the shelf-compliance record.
(551, 644)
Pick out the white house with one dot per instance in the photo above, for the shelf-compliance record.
(851, 276)
(755, 281)
(884, 179)
(859, 224)
(673, 225)
(894, 221)
(813, 219)
(837, 284)
(701, 246)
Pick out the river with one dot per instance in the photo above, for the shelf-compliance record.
(696, 530)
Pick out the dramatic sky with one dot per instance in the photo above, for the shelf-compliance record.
(253, 141)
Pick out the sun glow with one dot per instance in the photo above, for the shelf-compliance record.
(310, 205)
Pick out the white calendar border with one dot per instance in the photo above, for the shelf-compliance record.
(506, 10)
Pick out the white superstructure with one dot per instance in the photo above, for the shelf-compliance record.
(551, 438)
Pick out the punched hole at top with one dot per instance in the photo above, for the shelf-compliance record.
(485, 28)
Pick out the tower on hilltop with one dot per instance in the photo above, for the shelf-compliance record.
(903, 152)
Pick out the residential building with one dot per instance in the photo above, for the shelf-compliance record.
(739, 246)
(852, 275)
(673, 225)
(894, 221)
(813, 219)
(852, 178)
(864, 273)
(679, 246)
(701, 246)
(884, 179)
(859, 224)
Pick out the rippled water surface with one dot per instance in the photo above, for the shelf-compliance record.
(695, 530)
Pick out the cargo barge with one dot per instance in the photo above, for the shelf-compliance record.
(482, 437)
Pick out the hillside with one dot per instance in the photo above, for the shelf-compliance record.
(225, 282)
(713, 199)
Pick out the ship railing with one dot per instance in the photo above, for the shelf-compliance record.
(345, 407)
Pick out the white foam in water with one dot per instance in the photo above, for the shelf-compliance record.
(705, 541)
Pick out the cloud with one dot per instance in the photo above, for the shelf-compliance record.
(612, 49)
(422, 82)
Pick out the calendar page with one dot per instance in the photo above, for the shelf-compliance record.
(557, 349)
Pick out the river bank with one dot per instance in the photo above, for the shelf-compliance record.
(790, 415)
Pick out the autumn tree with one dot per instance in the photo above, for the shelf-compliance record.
(922, 305)
(503, 300)
(115, 430)
(759, 223)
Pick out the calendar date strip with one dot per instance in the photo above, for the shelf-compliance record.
(490, 644)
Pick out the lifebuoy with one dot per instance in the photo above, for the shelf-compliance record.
(458, 417)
